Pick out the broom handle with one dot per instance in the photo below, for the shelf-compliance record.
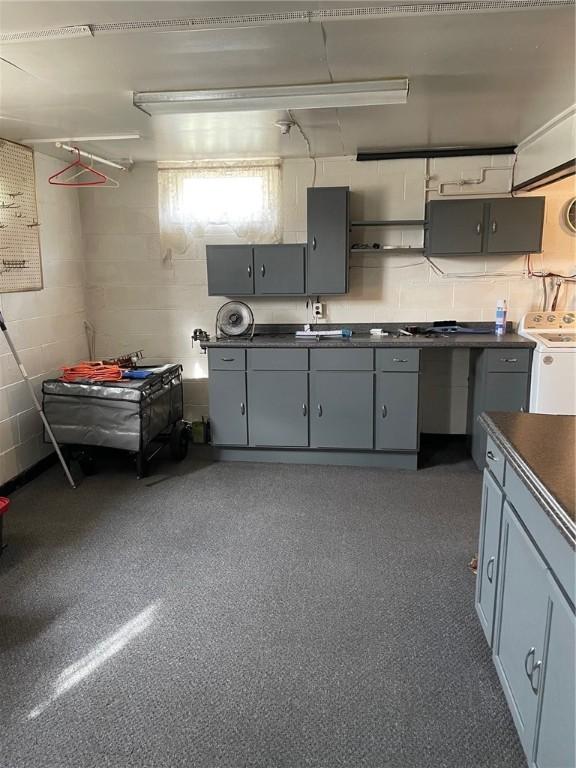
(36, 401)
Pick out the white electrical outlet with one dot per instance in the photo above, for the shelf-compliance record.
(318, 310)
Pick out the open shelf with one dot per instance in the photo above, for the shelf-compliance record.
(390, 248)
(389, 223)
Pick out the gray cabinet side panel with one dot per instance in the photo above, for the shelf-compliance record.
(396, 412)
(341, 409)
(278, 408)
(227, 393)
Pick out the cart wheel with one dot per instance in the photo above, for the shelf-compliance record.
(141, 465)
(179, 439)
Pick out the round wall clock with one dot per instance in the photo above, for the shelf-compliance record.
(570, 215)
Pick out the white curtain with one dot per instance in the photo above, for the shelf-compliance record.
(217, 197)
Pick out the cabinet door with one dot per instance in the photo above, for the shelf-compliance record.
(278, 408)
(556, 743)
(455, 226)
(488, 552)
(341, 409)
(279, 269)
(228, 421)
(230, 270)
(515, 225)
(328, 240)
(521, 625)
(396, 412)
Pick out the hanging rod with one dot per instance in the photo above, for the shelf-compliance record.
(98, 159)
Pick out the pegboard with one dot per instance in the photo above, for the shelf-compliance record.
(20, 262)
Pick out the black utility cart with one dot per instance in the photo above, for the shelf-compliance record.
(135, 415)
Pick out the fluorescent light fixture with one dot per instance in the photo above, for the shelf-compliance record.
(42, 35)
(69, 139)
(263, 98)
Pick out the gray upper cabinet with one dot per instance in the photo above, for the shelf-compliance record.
(487, 225)
(279, 269)
(230, 270)
(515, 225)
(488, 555)
(278, 408)
(328, 240)
(341, 409)
(519, 639)
(228, 411)
(396, 413)
(455, 226)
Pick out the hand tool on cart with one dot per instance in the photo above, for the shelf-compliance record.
(35, 399)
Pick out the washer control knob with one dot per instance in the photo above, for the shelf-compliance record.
(568, 318)
(548, 360)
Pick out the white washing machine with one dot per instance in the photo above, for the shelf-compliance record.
(553, 386)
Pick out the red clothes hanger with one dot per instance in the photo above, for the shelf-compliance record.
(97, 177)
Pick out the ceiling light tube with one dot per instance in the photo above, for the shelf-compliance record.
(263, 98)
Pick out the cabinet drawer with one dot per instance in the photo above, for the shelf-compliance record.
(341, 360)
(401, 359)
(500, 360)
(278, 359)
(495, 460)
(221, 359)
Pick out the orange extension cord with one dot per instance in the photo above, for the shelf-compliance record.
(91, 371)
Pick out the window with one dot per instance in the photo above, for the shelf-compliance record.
(240, 199)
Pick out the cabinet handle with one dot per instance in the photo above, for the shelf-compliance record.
(508, 359)
(249, 270)
(384, 411)
(242, 409)
(490, 570)
(227, 359)
(313, 243)
(494, 226)
(304, 409)
(479, 228)
(319, 410)
(491, 456)
(530, 653)
(263, 270)
(399, 360)
(537, 668)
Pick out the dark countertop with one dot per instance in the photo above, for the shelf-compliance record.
(541, 449)
(363, 339)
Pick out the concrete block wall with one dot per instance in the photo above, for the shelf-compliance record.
(137, 300)
(46, 326)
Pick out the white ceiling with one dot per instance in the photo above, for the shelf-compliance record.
(475, 78)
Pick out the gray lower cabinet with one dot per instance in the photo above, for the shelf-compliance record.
(228, 411)
(341, 409)
(500, 382)
(521, 626)
(488, 553)
(278, 408)
(556, 742)
(396, 411)
(279, 269)
(230, 270)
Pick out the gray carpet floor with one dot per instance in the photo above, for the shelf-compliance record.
(247, 615)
